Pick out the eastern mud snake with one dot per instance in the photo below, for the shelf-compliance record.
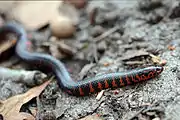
(83, 87)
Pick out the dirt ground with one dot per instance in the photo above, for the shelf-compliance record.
(144, 27)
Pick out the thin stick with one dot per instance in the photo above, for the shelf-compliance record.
(107, 33)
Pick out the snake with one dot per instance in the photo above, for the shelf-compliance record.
(83, 87)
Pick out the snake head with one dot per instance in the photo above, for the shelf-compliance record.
(150, 72)
(159, 69)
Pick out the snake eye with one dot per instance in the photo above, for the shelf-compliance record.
(159, 69)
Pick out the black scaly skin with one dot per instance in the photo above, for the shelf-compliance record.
(83, 87)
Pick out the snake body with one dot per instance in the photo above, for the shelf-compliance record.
(82, 87)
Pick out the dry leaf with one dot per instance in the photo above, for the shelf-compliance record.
(35, 14)
(70, 12)
(7, 42)
(5, 6)
(133, 54)
(100, 94)
(155, 59)
(10, 108)
(91, 117)
(5, 45)
(62, 27)
(21, 116)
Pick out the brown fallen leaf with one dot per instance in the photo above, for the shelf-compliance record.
(5, 45)
(10, 108)
(77, 3)
(91, 117)
(62, 27)
(158, 60)
(35, 14)
(134, 62)
(133, 54)
(7, 42)
(171, 47)
(100, 94)
(155, 59)
(6, 6)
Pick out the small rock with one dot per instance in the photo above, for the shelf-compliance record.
(156, 16)
(115, 36)
(126, 46)
(91, 117)
(99, 18)
(157, 118)
(110, 16)
(140, 45)
(178, 75)
(105, 60)
(97, 30)
(139, 36)
(150, 113)
(102, 47)
(119, 42)
(149, 4)
(175, 69)
(175, 12)
(83, 35)
(62, 27)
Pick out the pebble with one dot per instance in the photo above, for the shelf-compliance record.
(157, 118)
(119, 42)
(156, 16)
(149, 4)
(105, 59)
(178, 75)
(115, 36)
(138, 36)
(97, 30)
(110, 16)
(151, 113)
(101, 47)
(99, 18)
(175, 12)
(62, 27)
(83, 35)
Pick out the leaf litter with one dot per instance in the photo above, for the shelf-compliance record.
(10, 108)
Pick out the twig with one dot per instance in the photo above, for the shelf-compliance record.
(85, 69)
(136, 114)
(95, 52)
(30, 78)
(166, 17)
(107, 33)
